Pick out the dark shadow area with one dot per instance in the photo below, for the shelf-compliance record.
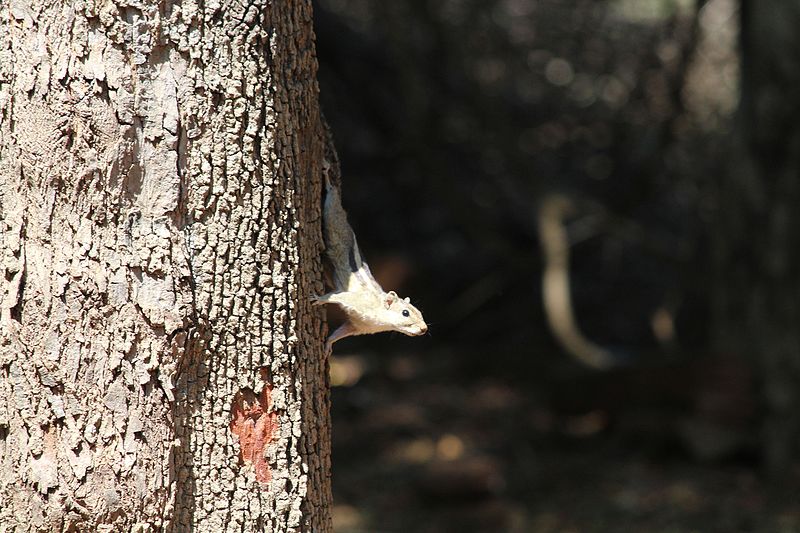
(457, 123)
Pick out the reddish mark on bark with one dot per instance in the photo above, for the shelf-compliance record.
(253, 421)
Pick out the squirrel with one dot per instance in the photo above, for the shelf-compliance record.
(368, 308)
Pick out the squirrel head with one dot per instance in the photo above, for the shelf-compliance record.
(400, 315)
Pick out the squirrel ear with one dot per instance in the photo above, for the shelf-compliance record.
(389, 299)
(407, 300)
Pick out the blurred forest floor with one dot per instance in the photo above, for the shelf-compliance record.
(453, 119)
(419, 446)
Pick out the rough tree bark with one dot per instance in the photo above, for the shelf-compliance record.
(160, 362)
(759, 230)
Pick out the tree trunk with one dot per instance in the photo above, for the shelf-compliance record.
(760, 221)
(161, 367)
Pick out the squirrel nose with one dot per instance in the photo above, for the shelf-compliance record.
(423, 329)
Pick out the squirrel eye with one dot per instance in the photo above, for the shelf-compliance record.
(405, 312)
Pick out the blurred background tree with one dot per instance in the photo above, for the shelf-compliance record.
(759, 231)
(456, 121)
